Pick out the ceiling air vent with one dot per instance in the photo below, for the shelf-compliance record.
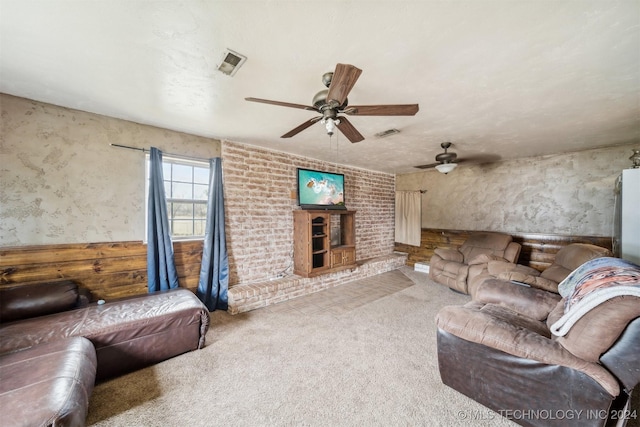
(387, 132)
(231, 61)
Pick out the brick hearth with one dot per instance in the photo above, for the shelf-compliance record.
(256, 295)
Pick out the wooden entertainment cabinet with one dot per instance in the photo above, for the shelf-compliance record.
(323, 241)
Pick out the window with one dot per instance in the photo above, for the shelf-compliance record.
(186, 188)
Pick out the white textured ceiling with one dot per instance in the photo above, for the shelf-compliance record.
(511, 78)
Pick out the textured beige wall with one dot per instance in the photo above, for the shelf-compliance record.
(61, 181)
(569, 194)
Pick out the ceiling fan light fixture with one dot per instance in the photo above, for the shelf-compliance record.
(445, 168)
(330, 124)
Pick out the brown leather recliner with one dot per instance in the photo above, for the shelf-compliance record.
(511, 361)
(494, 285)
(457, 266)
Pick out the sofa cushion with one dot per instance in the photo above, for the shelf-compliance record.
(508, 271)
(479, 322)
(496, 267)
(48, 384)
(449, 254)
(485, 243)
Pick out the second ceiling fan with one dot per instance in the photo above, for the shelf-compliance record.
(333, 101)
(447, 161)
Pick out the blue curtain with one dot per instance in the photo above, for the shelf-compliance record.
(214, 271)
(161, 268)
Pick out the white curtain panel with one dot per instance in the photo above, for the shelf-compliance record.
(408, 217)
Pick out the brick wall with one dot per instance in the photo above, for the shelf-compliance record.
(259, 185)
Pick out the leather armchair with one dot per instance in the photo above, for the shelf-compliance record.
(456, 267)
(515, 365)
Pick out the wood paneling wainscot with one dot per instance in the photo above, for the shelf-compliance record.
(109, 270)
(538, 250)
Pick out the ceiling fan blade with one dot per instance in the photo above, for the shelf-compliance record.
(342, 81)
(382, 110)
(349, 130)
(429, 166)
(282, 104)
(479, 159)
(300, 128)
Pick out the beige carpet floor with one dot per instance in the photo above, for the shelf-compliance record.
(360, 354)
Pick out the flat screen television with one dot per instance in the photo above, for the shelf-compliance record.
(320, 190)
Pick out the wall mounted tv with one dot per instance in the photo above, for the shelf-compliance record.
(320, 190)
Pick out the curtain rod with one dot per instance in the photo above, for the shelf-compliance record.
(145, 150)
(411, 191)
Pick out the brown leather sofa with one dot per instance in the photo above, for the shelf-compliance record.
(456, 267)
(503, 353)
(566, 260)
(535, 290)
(54, 324)
(48, 384)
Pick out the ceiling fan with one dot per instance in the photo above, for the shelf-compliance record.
(333, 101)
(447, 161)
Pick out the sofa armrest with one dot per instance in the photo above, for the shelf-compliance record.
(512, 253)
(84, 297)
(449, 254)
(504, 330)
(531, 280)
(33, 300)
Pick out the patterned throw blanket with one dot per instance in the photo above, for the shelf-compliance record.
(593, 283)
